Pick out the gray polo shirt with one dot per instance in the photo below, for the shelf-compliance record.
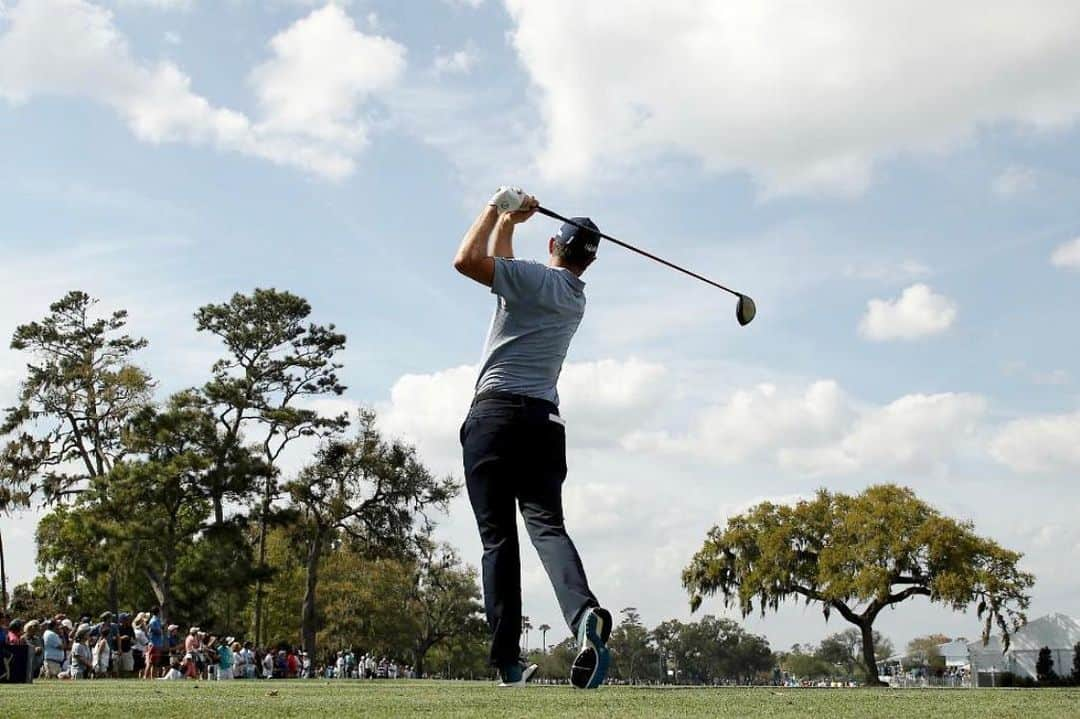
(537, 311)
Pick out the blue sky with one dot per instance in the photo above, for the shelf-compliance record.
(903, 213)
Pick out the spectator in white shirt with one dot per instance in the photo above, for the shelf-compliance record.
(54, 650)
(102, 653)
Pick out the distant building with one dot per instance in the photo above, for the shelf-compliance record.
(955, 653)
(1059, 632)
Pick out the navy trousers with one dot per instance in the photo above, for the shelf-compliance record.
(515, 457)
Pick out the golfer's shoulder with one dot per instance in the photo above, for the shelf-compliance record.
(516, 276)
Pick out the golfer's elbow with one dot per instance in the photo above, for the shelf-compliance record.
(480, 269)
(462, 264)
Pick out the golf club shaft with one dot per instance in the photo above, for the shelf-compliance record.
(620, 243)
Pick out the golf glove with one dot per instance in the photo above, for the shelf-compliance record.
(508, 199)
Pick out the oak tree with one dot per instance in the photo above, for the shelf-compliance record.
(858, 555)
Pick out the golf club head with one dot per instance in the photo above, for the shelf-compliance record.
(745, 311)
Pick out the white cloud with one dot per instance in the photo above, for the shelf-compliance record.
(804, 97)
(599, 400)
(459, 62)
(322, 70)
(1039, 444)
(753, 423)
(1067, 255)
(329, 65)
(474, 4)
(915, 432)
(821, 430)
(1015, 181)
(918, 312)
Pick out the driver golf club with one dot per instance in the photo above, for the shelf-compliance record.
(745, 310)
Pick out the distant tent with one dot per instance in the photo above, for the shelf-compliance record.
(1059, 632)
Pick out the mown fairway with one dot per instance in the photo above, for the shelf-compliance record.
(339, 700)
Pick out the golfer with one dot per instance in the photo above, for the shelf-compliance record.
(513, 439)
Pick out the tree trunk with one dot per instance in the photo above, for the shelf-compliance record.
(114, 599)
(162, 588)
(307, 613)
(868, 655)
(262, 564)
(3, 577)
(418, 663)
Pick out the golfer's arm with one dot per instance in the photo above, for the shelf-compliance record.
(473, 259)
(503, 245)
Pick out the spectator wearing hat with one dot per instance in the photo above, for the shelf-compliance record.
(52, 650)
(173, 643)
(82, 658)
(32, 636)
(111, 630)
(239, 660)
(225, 659)
(124, 658)
(140, 648)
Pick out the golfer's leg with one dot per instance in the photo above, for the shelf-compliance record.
(491, 494)
(540, 498)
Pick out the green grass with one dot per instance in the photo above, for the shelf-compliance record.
(339, 700)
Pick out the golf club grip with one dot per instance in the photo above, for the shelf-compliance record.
(620, 243)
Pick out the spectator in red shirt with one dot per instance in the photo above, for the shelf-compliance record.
(14, 635)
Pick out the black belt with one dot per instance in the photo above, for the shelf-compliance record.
(519, 399)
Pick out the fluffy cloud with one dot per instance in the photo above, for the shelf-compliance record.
(802, 96)
(754, 422)
(322, 70)
(1039, 444)
(1067, 255)
(918, 312)
(329, 67)
(600, 400)
(821, 430)
(913, 433)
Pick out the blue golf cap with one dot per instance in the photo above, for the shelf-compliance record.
(581, 243)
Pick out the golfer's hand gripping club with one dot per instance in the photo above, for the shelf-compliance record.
(508, 199)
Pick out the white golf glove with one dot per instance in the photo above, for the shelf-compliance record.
(508, 199)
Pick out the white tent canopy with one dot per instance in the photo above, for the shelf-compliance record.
(1059, 632)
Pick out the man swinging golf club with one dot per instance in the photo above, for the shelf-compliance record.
(513, 439)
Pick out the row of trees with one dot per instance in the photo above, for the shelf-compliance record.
(179, 498)
(709, 651)
(1049, 675)
(838, 656)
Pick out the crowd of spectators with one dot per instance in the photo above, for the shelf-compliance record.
(140, 645)
(349, 665)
